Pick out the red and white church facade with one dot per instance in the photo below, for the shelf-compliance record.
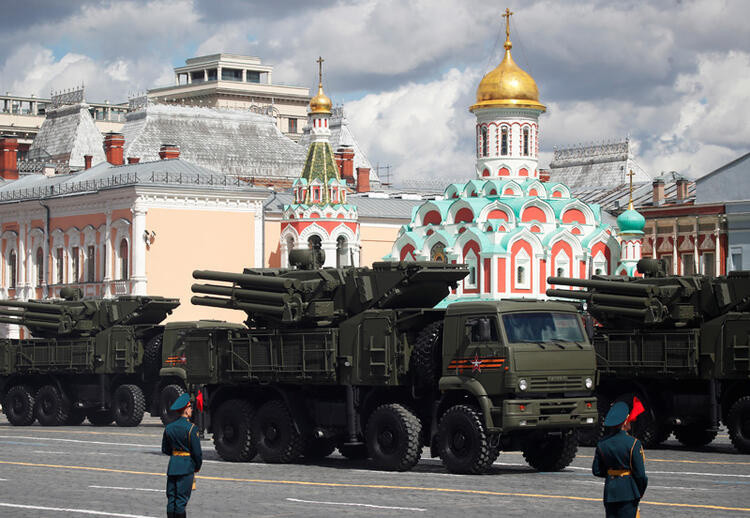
(510, 226)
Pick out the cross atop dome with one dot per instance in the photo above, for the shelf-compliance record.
(508, 13)
(321, 103)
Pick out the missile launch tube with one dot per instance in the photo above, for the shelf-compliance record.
(626, 312)
(36, 306)
(216, 302)
(616, 300)
(245, 280)
(34, 323)
(606, 286)
(241, 294)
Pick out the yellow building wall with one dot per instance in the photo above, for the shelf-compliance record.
(377, 242)
(272, 245)
(188, 240)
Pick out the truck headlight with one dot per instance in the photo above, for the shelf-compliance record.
(523, 384)
(589, 383)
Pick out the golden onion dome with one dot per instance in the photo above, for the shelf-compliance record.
(508, 86)
(321, 103)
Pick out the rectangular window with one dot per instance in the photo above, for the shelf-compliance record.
(668, 260)
(708, 264)
(481, 329)
(526, 141)
(59, 266)
(75, 261)
(252, 77)
(196, 77)
(91, 264)
(212, 74)
(736, 256)
(688, 264)
(292, 125)
(504, 141)
(231, 74)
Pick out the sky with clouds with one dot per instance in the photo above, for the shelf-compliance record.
(674, 75)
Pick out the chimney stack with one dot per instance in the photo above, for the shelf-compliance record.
(363, 179)
(113, 147)
(682, 189)
(9, 158)
(87, 161)
(169, 151)
(345, 162)
(133, 159)
(544, 175)
(658, 191)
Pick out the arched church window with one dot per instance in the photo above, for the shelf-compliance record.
(485, 143)
(471, 261)
(526, 141)
(12, 269)
(342, 252)
(39, 264)
(314, 242)
(124, 270)
(504, 141)
(523, 273)
(437, 253)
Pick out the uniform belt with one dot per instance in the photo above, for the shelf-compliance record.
(618, 472)
(181, 453)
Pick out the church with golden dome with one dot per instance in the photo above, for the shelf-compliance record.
(509, 225)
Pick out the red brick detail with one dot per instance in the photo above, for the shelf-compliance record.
(543, 275)
(363, 179)
(574, 216)
(509, 192)
(533, 214)
(535, 229)
(497, 214)
(9, 158)
(133, 159)
(464, 216)
(486, 172)
(169, 151)
(532, 192)
(523, 172)
(87, 161)
(407, 250)
(487, 276)
(503, 171)
(113, 148)
(576, 231)
(345, 161)
(501, 274)
(557, 194)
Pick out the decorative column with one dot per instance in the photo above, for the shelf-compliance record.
(696, 260)
(107, 280)
(717, 244)
(138, 250)
(675, 257)
(21, 263)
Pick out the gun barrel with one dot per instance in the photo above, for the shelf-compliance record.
(240, 294)
(262, 282)
(628, 288)
(617, 300)
(29, 323)
(626, 312)
(36, 306)
(217, 302)
(31, 315)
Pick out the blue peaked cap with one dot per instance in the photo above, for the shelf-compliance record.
(182, 401)
(617, 414)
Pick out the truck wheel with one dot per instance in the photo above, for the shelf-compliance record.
(463, 443)
(738, 422)
(649, 431)
(425, 358)
(278, 441)
(100, 417)
(167, 397)
(19, 405)
(52, 408)
(233, 439)
(356, 452)
(393, 438)
(129, 405)
(317, 449)
(695, 435)
(550, 452)
(152, 357)
(76, 417)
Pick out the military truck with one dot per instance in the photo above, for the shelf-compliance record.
(358, 359)
(87, 358)
(681, 344)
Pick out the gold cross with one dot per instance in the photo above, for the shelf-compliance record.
(320, 68)
(508, 13)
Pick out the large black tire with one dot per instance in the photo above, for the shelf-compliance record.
(695, 435)
(738, 422)
(152, 357)
(129, 404)
(76, 417)
(19, 405)
(232, 427)
(51, 407)
(167, 396)
(277, 438)
(463, 443)
(353, 452)
(426, 357)
(550, 452)
(393, 437)
(648, 429)
(317, 449)
(101, 417)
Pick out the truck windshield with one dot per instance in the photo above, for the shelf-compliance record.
(542, 327)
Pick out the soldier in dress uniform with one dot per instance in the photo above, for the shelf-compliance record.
(182, 443)
(619, 459)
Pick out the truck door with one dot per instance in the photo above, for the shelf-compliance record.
(375, 349)
(480, 348)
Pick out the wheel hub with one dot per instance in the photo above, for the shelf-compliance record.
(228, 432)
(271, 432)
(386, 439)
(459, 441)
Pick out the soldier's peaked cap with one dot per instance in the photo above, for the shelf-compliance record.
(617, 414)
(182, 401)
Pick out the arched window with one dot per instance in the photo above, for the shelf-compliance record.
(12, 269)
(39, 265)
(342, 252)
(124, 271)
(470, 281)
(523, 263)
(504, 141)
(437, 253)
(314, 242)
(485, 142)
(526, 141)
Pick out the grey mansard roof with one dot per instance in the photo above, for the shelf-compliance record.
(240, 143)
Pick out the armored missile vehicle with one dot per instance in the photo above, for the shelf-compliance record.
(358, 359)
(87, 358)
(681, 344)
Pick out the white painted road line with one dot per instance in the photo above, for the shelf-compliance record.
(129, 488)
(77, 453)
(78, 441)
(77, 511)
(351, 504)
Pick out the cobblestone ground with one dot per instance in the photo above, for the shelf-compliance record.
(110, 471)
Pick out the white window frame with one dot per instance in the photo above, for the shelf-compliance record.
(471, 260)
(600, 262)
(562, 262)
(522, 260)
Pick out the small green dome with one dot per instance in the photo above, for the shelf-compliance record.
(631, 222)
